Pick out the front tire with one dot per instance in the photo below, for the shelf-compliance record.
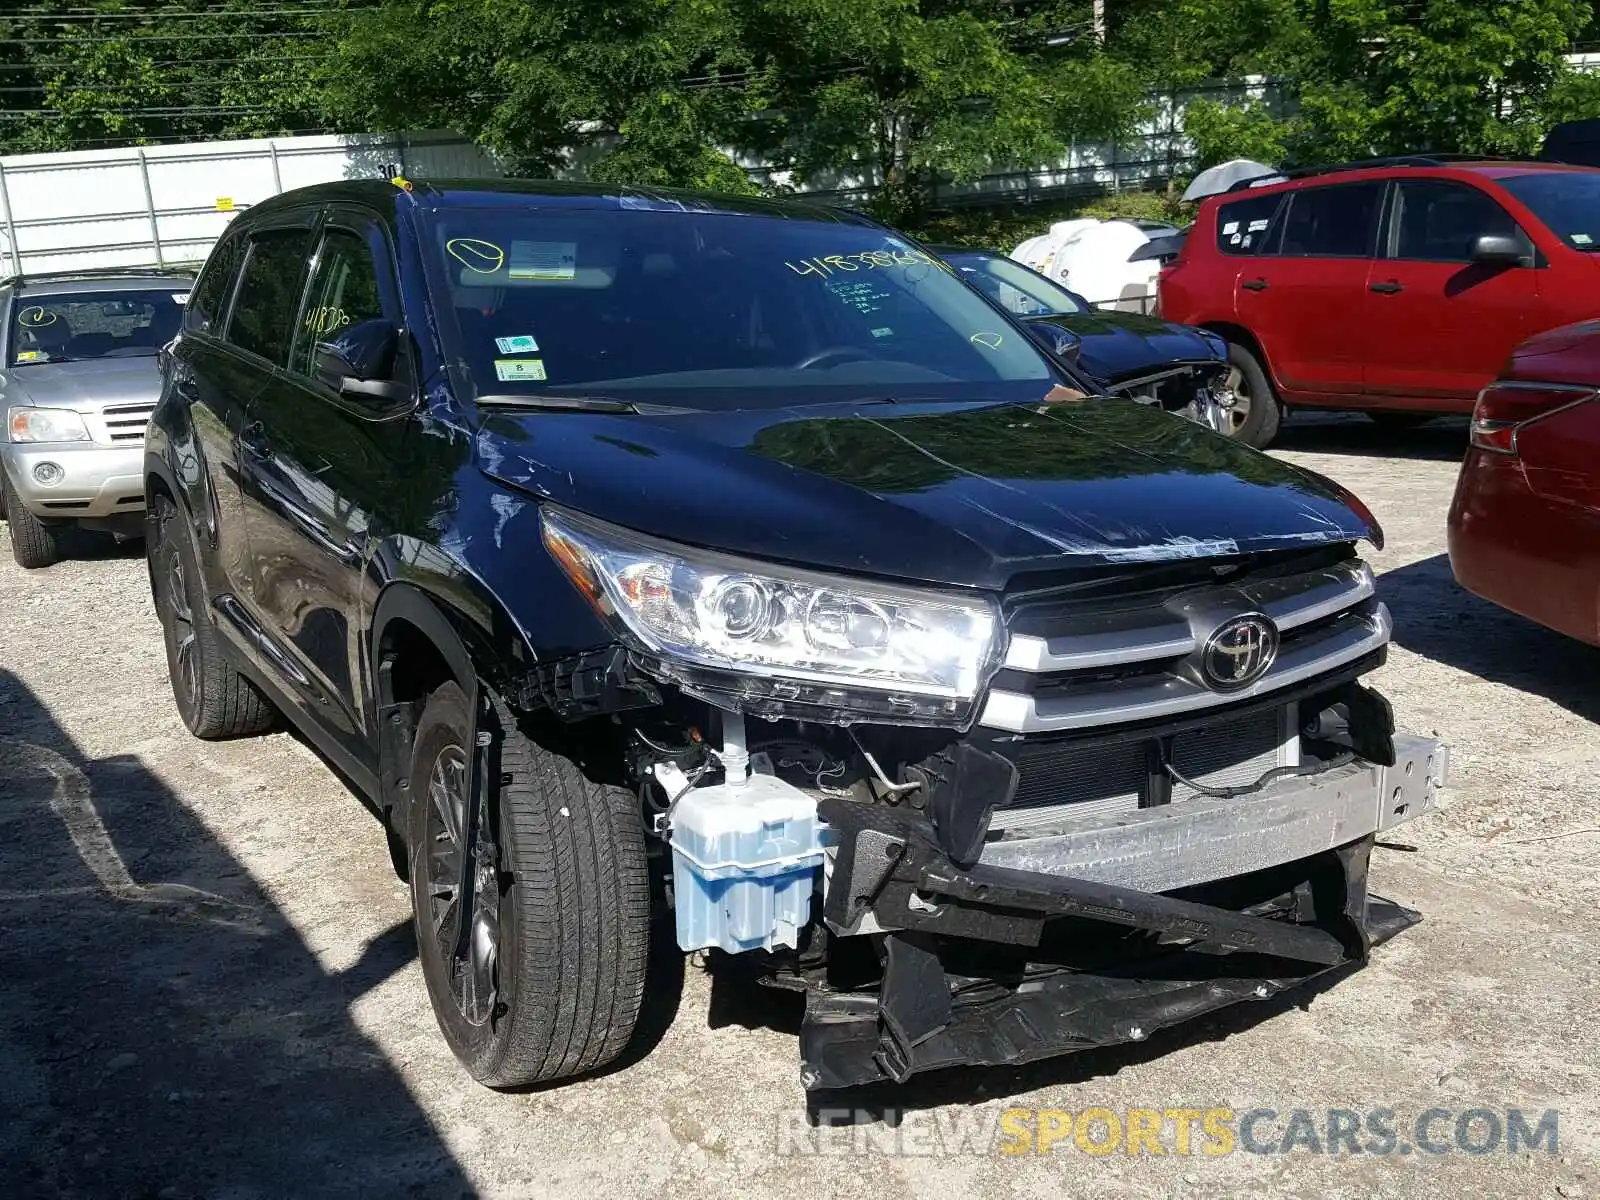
(549, 978)
(214, 700)
(33, 543)
(1255, 416)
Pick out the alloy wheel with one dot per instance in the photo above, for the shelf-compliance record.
(1239, 412)
(181, 625)
(462, 860)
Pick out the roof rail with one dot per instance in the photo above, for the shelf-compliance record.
(102, 273)
(1398, 160)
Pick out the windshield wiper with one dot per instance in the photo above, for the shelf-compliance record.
(608, 404)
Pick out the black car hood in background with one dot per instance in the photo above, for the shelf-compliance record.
(947, 493)
(1118, 346)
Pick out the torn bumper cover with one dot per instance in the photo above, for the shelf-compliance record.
(1098, 933)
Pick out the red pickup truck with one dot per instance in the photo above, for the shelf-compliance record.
(1397, 288)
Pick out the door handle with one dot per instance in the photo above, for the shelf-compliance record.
(1387, 289)
(1254, 285)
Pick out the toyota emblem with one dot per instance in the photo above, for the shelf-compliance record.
(1239, 652)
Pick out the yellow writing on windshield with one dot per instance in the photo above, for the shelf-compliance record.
(865, 260)
(36, 317)
(475, 254)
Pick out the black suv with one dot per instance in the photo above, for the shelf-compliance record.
(630, 549)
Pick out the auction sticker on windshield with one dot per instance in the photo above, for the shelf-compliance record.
(521, 344)
(543, 260)
(514, 370)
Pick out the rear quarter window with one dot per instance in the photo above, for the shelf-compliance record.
(1242, 225)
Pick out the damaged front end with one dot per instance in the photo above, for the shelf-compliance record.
(1197, 390)
(1159, 797)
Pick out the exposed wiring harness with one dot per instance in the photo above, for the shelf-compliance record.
(1246, 789)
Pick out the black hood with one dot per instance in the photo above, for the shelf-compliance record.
(969, 495)
(1118, 346)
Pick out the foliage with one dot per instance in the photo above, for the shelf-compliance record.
(900, 94)
(132, 72)
(894, 95)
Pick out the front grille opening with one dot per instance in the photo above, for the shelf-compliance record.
(65, 504)
(1065, 780)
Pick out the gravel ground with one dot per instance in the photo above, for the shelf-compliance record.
(210, 987)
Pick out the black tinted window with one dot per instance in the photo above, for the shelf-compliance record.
(208, 302)
(344, 292)
(1439, 221)
(1333, 222)
(269, 294)
(1242, 225)
(1568, 202)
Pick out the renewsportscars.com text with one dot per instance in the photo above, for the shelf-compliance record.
(1182, 1132)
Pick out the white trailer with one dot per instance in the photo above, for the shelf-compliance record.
(165, 205)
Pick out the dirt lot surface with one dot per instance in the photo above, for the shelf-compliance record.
(210, 986)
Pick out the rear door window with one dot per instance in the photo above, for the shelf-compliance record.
(208, 302)
(1436, 221)
(1243, 225)
(1333, 222)
(268, 299)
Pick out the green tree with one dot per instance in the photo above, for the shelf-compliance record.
(1374, 77)
(634, 90)
(902, 93)
(140, 71)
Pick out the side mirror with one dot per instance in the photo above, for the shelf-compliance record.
(359, 361)
(1499, 249)
(1055, 340)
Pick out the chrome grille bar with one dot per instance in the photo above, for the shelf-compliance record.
(1291, 603)
(1145, 698)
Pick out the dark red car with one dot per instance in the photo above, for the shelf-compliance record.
(1396, 288)
(1525, 521)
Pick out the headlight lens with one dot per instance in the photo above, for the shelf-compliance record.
(47, 425)
(716, 611)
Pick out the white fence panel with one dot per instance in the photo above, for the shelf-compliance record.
(162, 205)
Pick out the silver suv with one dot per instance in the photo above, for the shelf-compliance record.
(78, 379)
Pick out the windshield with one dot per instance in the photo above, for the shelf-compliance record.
(1568, 202)
(71, 327)
(1013, 286)
(717, 310)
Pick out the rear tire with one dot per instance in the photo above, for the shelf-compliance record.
(1256, 413)
(557, 989)
(33, 543)
(214, 700)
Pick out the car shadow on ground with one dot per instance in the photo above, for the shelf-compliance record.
(1443, 439)
(164, 1032)
(1439, 620)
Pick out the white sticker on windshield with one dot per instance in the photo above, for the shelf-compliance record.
(180, 297)
(1258, 226)
(1582, 239)
(1231, 227)
(1235, 239)
(882, 331)
(519, 370)
(543, 260)
(523, 343)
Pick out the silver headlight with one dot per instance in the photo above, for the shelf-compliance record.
(717, 611)
(46, 425)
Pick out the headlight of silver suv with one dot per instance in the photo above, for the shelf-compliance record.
(791, 627)
(46, 425)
